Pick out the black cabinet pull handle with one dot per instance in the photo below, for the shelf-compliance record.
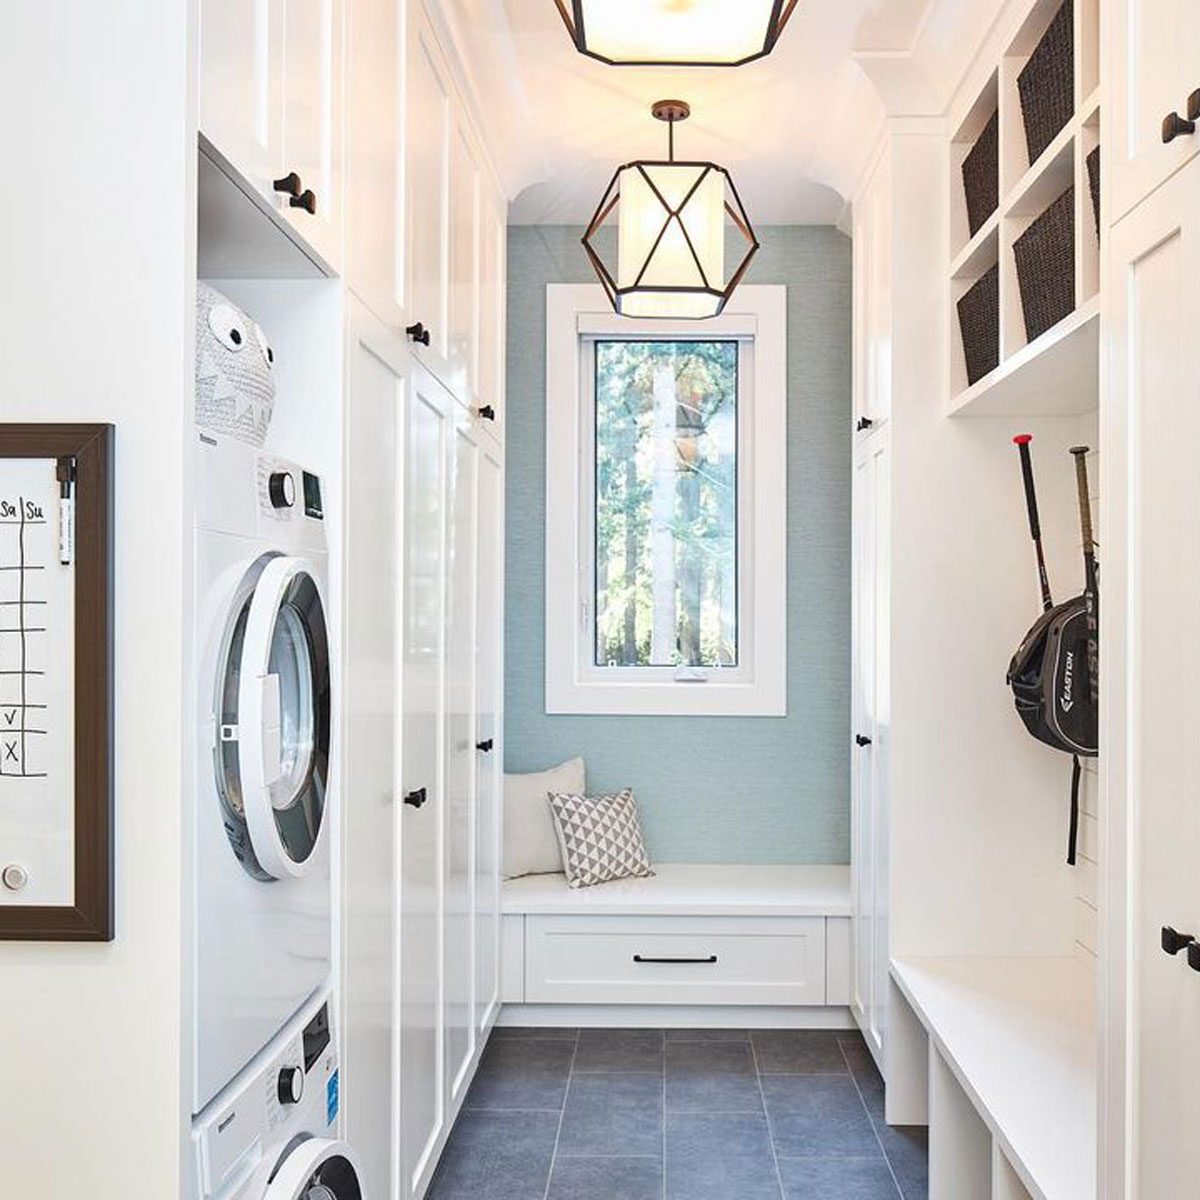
(485, 747)
(1173, 941)
(486, 413)
(712, 958)
(416, 799)
(307, 200)
(1174, 125)
(863, 424)
(861, 739)
(1193, 106)
(290, 184)
(418, 333)
(1194, 956)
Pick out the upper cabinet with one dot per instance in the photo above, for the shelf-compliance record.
(270, 79)
(1155, 55)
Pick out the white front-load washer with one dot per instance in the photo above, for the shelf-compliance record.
(263, 904)
(272, 1134)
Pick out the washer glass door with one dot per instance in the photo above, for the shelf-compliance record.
(273, 745)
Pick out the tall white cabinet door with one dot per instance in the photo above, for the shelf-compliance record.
(493, 248)
(427, 434)
(459, 951)
(1154, 50)
(375, 400)
(465, 183)
(489, 684)
(430, 106)
(242, 82)
(872, 606)
(1152, 703)
(374, 157)
(312, 119)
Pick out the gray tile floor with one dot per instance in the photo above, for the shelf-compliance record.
(636, 1114)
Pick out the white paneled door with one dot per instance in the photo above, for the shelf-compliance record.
(1151, 493)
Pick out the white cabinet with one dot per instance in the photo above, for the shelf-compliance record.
(869, 702)
(465, 188)
(270, 83)
(1154, 51)
(1152, 706)
(873, 298)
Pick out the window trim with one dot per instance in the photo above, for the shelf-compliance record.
(758, 686)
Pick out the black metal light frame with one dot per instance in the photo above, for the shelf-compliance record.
(571, 12)
(671, 111)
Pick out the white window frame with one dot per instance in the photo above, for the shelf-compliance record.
(757, 317)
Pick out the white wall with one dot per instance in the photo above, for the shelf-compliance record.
(95, 325)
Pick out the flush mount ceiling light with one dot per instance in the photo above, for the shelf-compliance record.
(675, 33)
(677, 224)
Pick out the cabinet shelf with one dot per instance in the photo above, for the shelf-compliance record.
(980, 253)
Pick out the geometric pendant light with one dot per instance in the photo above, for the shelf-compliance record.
(675, 33)
(677, 226)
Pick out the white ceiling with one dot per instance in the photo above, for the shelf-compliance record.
(794, 128)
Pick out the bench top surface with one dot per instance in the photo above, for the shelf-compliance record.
(692, 890)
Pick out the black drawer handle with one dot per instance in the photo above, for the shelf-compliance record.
(1173, 941)
(864, 423)
(486, 413)
(1174, 126)
(416, 799)
(712, 958)
(290, 184)
(418, 333)
(1194, 956)
(861, 739)
(485, 747)
(307, 200)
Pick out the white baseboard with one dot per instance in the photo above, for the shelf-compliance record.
(649, 1016)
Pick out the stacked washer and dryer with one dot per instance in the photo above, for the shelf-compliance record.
(266, 1084)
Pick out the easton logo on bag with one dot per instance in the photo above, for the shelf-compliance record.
(1054, 674)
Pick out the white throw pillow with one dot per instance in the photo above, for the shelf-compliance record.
(530, 839)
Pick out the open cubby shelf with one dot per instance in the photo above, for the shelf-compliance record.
(1022, 383)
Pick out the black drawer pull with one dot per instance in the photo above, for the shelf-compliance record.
(1174, 126)
(290, 184)
(712, 958)
(307, 200)
(418, 333)
(416, 799)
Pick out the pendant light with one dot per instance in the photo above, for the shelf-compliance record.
(678, 225)
(675, 33)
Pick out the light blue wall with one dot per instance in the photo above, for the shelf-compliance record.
(727, 789)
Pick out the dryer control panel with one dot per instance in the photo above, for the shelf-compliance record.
(290, 1092)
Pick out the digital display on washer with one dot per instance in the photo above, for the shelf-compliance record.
(312, 497)
(316, 1037)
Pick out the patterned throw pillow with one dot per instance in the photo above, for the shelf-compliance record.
(600, 837)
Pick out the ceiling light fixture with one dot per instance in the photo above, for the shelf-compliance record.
(675, 33)
(677, 223)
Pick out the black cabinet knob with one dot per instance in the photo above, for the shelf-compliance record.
(307, 200)
(416, 799)
(863, 424)
(418, 333)
(1173, 941)
(861, 739)
(485, 747)
(1193, 106)
(1194, 956)
(290, 184)
(486, 413)
(1174, 126)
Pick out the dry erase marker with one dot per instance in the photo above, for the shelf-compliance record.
(66, 509)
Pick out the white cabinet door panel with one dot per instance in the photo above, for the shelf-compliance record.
(465, 181)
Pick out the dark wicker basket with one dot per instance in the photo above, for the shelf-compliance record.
(1045, 255)
(1047, 83)
(981, 175)
(979, 320)
(1093, 171)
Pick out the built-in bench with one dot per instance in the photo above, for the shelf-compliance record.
(1011, 1046)
(768, 945)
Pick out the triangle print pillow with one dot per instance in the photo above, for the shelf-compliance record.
(600, 837)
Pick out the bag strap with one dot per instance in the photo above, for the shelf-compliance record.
(1073, 837)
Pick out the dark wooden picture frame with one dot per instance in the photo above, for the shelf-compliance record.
(90, 918)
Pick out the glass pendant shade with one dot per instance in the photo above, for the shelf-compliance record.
(716, 33)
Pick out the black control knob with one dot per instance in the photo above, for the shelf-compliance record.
(307, 200)
(418, 333)
(290, 184)
(1173, 941)
(1174, 126)
(282, 489)
(290, 1087)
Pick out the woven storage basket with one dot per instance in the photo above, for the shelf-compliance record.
(1093, 171)
(981, 175)
(1045, 255)
(979, 320)
(1047, 83)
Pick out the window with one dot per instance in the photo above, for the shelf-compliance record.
(666, 509)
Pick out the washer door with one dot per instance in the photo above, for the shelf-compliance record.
(317, 1170)
(273, 747)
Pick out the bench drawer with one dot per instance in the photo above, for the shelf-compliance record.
(674, 960)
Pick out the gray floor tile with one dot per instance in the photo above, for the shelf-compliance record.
(613, 1113)
(866, 1073)
(719, 1158)
(818, 1116)
(707, 1035)
(907, 1149)
(798, 1052)
(712, 1077)
(497, 1156)
(619, 1050)
(837, 1179)
(606, 1179)
(522, 1073)
(505, 1033)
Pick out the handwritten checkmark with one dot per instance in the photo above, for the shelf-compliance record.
(10, 717)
